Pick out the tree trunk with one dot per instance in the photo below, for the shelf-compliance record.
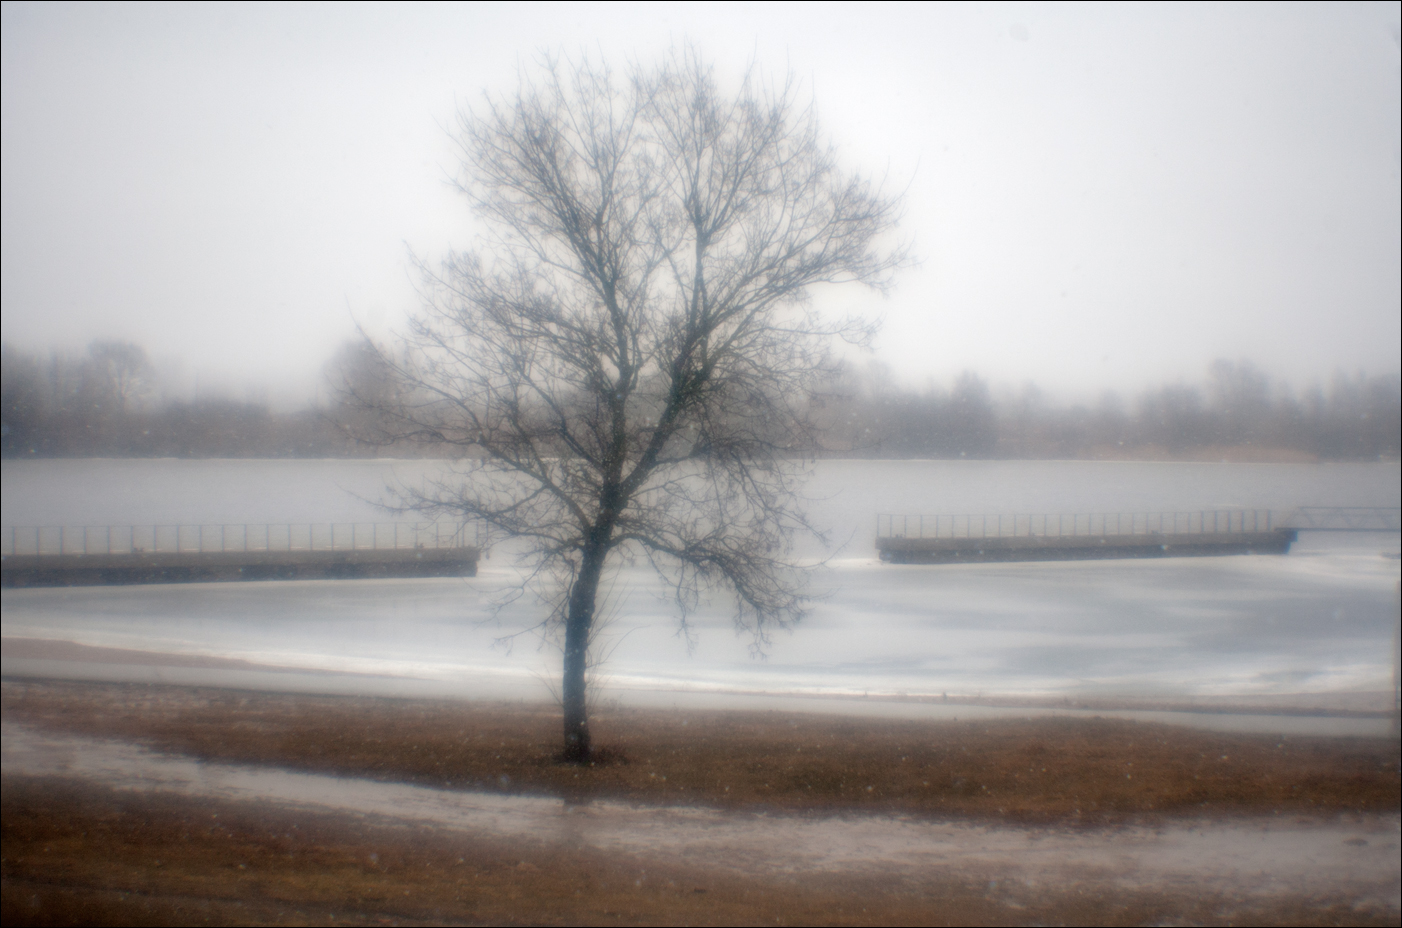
(578, 623)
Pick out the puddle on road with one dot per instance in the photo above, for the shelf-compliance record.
(1356, 857)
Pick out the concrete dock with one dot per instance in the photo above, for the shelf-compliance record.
(1081, 547)
(945, 539)
(116, 555)
(220, 566)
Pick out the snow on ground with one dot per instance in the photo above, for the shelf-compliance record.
(1244, 859)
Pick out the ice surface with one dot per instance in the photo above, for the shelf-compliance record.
(1317, 621)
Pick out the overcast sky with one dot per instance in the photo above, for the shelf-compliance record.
(1100, 196)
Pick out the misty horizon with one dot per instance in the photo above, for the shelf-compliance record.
(1097, 200)
(178, 380)
(113, 400)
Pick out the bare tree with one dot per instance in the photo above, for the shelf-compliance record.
(120, 375)
(627, 363)
(365, 385)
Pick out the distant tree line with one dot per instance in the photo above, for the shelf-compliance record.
(1238, 414)
(108, 402)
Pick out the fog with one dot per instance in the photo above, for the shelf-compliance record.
(1151, 235)
(565, 285)
(113, 401)
(1107, 199)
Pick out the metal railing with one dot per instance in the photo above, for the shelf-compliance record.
(231, 537)
(894, 525)
(1344, 519)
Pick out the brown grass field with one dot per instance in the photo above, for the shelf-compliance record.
(82, 854)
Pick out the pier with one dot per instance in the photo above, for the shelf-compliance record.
(127, 554)
(944, 539)
(1369, 519)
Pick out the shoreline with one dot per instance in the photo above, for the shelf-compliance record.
(1343, 713)
(1049, 769)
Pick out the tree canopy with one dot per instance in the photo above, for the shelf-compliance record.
(628, 360)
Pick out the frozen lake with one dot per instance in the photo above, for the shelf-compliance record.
(1308, 628)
